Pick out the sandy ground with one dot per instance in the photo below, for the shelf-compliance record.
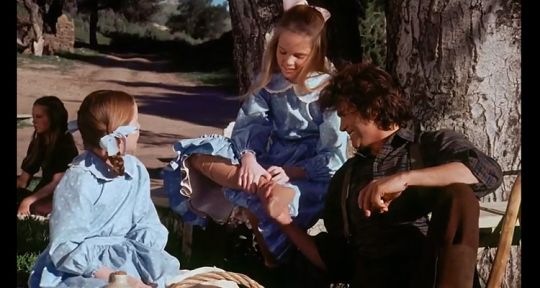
(170, 106)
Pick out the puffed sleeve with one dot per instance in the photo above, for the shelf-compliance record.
(32, 167)
(70, 223)
(149, 237)
(147, 228)
(64, 152)
(331, 149)
(253, 124)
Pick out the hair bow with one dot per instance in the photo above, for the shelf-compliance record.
(108, 142)
(288, 4)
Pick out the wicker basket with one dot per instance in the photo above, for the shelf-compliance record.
(239, 278)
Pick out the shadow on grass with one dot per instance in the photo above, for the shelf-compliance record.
(177, 55)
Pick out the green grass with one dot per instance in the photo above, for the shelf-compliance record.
(45, 62)
(32, 239)
(26, 261)
(32, 235)
(82, 32)
(24, 123)
(223, 77)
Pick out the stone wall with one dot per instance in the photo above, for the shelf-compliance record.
(64, 40)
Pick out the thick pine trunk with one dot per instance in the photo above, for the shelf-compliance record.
(50, 19)
(93, 25)
(342, 32)
(460, 62)
(250, 22)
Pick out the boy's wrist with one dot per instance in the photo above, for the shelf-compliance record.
(406, 178)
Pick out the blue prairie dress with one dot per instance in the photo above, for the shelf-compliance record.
(283, 129)
(102, 220)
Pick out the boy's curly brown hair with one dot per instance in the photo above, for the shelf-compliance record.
(372, 91)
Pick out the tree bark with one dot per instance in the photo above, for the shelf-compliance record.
(93, 24)
(36, 20)
(51, 17)
(343, 36)
(459, 61)
(250, 22)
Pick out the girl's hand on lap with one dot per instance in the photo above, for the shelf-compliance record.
(250, 173)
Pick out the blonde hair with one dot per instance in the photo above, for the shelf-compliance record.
(101, 112)
(303, 20)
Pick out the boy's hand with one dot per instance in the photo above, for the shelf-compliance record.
(379, 193)
(278, 174)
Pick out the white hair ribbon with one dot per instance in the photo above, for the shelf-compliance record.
(108, 142)
(288, 4)
(325, 13)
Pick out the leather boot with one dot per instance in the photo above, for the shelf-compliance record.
(456, 266)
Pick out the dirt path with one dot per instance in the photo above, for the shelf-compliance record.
(171, 107)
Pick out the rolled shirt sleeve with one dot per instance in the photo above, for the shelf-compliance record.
(445, 146)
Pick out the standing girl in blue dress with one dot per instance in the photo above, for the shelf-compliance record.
(103, 219)
(280, 135)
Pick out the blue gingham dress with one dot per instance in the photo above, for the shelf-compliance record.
(283, 129)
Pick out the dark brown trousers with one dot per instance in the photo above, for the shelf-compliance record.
(445, 257)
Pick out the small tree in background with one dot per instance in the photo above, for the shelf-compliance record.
(133, 10)
(373, 31)
(200, 19)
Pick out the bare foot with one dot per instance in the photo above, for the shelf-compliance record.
(275, 198)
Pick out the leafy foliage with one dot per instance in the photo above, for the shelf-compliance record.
(133, 10)
(32, 235)
(26, 261)
(200, 19)
(373, 31)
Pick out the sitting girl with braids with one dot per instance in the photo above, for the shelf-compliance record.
(103, 219)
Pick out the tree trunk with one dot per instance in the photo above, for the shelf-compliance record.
(35, 19)
(342, 32)
(250, 22)
(93, 24)
(460, 64)
(51, 17)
